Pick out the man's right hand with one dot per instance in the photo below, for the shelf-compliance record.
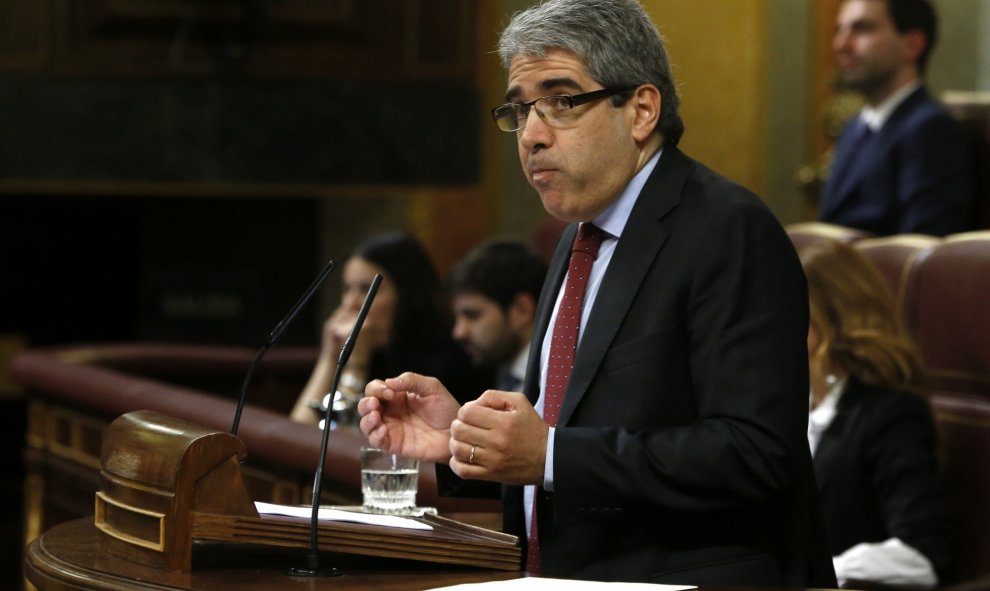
(409, 415)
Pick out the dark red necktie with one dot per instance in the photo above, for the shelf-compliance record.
(563, 345)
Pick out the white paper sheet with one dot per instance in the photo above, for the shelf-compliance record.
(338, 515)
(541, 584)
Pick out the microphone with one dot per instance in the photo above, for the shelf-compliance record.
(275, 335)
(313, 566)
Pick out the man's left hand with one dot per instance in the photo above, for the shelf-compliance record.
(508, 439)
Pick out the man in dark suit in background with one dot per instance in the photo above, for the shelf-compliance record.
(493, 291)
(660, 435)
(902, 165)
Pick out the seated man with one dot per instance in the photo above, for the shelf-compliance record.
(902, 165)
(494, 290)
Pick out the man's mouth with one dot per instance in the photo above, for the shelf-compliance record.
(540, 174)
(847, 63)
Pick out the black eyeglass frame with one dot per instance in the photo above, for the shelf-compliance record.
(572, 101)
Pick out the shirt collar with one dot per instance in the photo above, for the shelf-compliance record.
(875, 117)
(518, 367)
(614, 219)
(821, 416)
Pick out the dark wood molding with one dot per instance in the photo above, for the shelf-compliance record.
(370, 40)
(26, 29)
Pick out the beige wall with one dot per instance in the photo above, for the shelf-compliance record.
(963, 25)
(718, 50)
(983, 47)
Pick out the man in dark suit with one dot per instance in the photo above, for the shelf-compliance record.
(663, 438)
(493, 292)
(902, 165)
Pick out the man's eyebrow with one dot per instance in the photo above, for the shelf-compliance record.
(547, 85)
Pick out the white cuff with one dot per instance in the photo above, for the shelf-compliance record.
(891, 562)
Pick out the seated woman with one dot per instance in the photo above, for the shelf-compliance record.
(870, 428)
(408, 328)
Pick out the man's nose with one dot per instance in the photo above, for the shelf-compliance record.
(460, 331)
(535, 131)
(841, 40)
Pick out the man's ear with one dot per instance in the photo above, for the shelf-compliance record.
(645, 102)
(914, 43)
(521, 311)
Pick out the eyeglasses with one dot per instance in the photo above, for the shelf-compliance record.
(555, 111)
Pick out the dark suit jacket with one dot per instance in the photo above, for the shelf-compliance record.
(912, 176)
(681, 452)
(878, 475)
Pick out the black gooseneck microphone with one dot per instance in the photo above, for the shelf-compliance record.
(312, 568)
(275, 335)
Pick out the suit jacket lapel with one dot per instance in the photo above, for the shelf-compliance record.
(641, 240)
(843, 164)
(828, 456)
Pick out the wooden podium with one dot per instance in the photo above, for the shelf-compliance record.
(166, 484)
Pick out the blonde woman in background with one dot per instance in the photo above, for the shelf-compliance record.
(870, 428)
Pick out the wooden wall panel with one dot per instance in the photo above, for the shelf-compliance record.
(25, 34)
(116, 105)
(339, 39)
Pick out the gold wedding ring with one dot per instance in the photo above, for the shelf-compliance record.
(471, 457)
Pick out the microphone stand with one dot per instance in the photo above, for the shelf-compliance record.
(312, 568)
(275, 335)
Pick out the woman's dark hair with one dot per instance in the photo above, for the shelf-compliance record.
(422, 317)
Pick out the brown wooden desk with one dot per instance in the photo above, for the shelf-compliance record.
(67, 557)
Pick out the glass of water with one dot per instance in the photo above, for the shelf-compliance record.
(388, 482)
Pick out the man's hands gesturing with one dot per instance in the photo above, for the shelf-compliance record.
(409, 415)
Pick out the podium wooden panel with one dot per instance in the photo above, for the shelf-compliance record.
(67, 557)
(167, 484)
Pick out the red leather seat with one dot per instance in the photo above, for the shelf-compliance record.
(964, 441)
(898, 258)
(951, 317)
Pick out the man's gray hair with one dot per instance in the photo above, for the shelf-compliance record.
(618, 42)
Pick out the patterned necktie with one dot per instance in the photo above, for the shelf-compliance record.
(563, 346)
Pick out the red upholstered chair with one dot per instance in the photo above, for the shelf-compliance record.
(964, 440)
(898, 258)
(950, 315)
(806, 234)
